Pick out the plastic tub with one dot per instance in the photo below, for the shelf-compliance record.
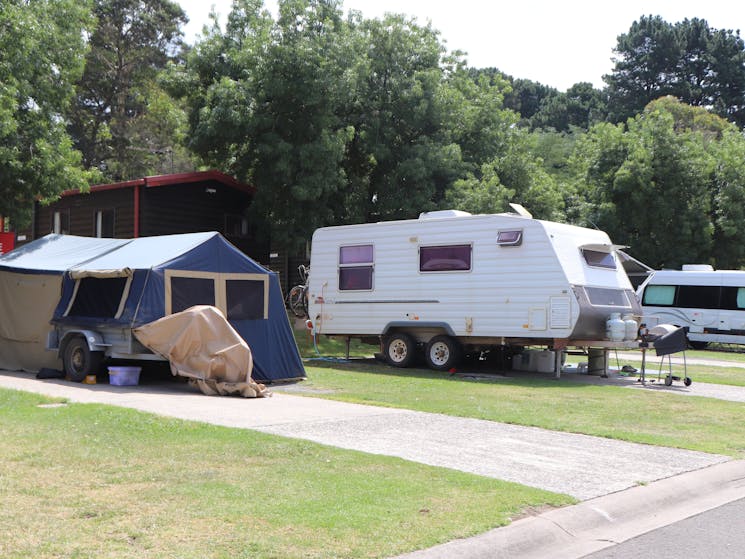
(124, 376)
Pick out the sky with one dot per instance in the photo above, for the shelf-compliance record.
(555, 42)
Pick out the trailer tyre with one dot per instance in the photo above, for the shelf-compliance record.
(400, 349)
(442, 353)
(79, 361)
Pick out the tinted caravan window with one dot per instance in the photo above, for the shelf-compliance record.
(445, 258)
(245, 299)
(98, 297)
(187, 292)
(598, 259)
(356, 267)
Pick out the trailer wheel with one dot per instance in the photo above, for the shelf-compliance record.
(668, 380)
(79, 361)
(400, 349)
(442, 353)
(687, 381)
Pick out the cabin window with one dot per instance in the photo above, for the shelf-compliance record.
(246, 299)
(98, 297)
(453, 258)
(356, 268)
(598, 259)
(105, 223)
(61, 222)
(698, 296)
(187, 292)
(604, 297)
(510, 238)
(659, 295)
(236, 225)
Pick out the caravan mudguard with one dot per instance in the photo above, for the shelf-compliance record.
(94, 340)
(409, 324)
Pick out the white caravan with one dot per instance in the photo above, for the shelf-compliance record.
(711, 303)
(451, 282)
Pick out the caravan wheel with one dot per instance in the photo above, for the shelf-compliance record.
(400, 349)
(442, 353)
(79, 361)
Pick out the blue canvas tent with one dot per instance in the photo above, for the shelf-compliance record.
(122, 284)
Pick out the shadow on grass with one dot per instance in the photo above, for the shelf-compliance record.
(475, 371)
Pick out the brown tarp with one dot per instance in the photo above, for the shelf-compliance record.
(202, 346)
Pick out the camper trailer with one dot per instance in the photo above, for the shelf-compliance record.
(71, 302)
(450, 283)
(710, 303)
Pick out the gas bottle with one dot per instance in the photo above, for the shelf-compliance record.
(615, 328)
(632, 328)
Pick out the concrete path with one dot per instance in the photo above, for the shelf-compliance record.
(579, 465)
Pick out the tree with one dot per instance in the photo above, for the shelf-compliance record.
(690, 61)
(655, 185)
(580, 107)
(132, 41)
(41, 56)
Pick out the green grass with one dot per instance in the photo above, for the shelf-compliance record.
(644, 416)
(81, 480)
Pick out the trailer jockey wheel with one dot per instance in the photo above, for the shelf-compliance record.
(442, 353)
(79, 361)
(400, 349)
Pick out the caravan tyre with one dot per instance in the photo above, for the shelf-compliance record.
(442, 353)
(79, 361)
(400, 349)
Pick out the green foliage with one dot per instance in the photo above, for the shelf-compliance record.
(41, 55)
(689, 60)
(669, 185)
(110, 119)
(349, 120)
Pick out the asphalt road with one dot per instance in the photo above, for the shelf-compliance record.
(715, 534)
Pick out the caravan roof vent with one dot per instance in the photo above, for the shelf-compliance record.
(697, 268)
(443, 213)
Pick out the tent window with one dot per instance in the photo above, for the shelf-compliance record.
(245, 299)
(98, 297)
(187, 292)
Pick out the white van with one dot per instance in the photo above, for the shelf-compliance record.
(711, 303)
(451, 282)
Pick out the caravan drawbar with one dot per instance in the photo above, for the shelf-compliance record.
(451, 283)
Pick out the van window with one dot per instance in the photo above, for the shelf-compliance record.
(445, 258)
(356, 268)
(98, 297)
(698, 296)
(659, 295)
(598, 259)
(605, 297)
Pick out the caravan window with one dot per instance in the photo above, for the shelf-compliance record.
(187, 292)
(98, 297)
(355, 267)
(246, 299)
(445, 258)
(598, 259)
(510, 238)
(605, 297)
(659, 295)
